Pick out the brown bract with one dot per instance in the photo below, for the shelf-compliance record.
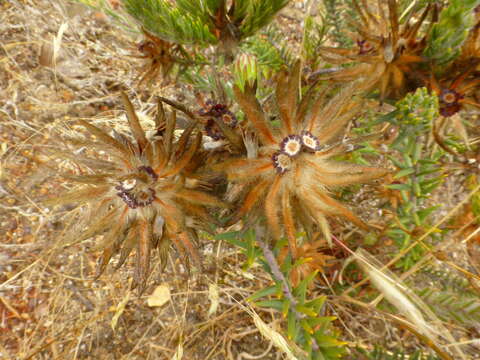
(140, 196)
(293, 170)
(387, 52)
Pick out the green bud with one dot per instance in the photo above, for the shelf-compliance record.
(245, 70)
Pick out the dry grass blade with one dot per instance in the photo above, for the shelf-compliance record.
(405, 300)
(142, 270)
(161, 117)
(402, 323)
(169, 131)
(421, 238)
(77, 195)
(273, 336)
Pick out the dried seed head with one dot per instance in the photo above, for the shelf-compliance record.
(281, 161)
(310, 141)
(291, 145)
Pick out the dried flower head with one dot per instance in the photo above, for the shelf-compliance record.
(214, 113)
(293, 169)
(140, 194)
(160, 56)
(454, 94)
(386, 51)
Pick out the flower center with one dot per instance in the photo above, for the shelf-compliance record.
(309, 141)
(281, 161)
(291, 146)
(449, 102)
(136, 193)
(449, 96)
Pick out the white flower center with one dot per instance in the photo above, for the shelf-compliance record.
(129, 184)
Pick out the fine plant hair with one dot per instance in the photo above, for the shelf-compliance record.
(338, 168)
(386, 51)
(292, 156)
(142, 196)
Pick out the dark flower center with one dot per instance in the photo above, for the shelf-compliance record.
(136, 193)
(449, 102)
(449, 96)
(214, 111)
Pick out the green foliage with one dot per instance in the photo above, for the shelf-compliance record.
(257, 14)
(270, 49)
(418, 171)
(203, 23)
(414, 116)
(185, 23)
(448, 34)
(459, 307)
(448, 281)
(305, 324)
(246, 242)
(335, 19)
(245, 71)
(313, 37)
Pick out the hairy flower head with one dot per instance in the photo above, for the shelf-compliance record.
(386, 51)
(291, 175)
(141, 195)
